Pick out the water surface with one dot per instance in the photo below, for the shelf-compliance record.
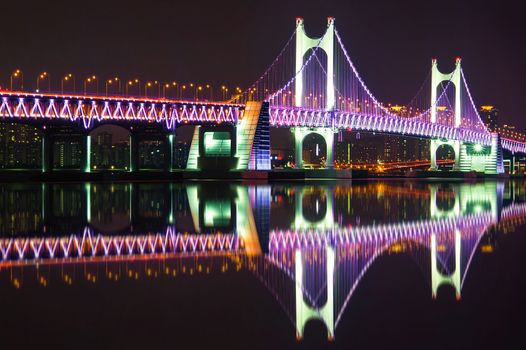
(391, 264)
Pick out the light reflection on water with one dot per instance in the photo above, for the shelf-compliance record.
(309, 244)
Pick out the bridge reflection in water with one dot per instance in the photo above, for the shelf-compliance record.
(309, 245)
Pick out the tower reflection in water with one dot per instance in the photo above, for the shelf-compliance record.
(309, 245)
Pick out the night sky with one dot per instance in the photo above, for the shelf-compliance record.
(233, 42)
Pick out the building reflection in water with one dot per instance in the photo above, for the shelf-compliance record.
(310, 245)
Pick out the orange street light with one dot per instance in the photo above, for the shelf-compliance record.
(69, 77)
(17, 74)
(42, 76)
(134, 82)
(150, 84)
(93, 78)
(112, 81)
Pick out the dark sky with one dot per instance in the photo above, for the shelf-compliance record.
(233, 42)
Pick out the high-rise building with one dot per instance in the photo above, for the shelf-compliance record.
(370, 148)
(105, 154)
(66, 154)
(20, 146)
(101, 150)
(120, 155)
(489, 115)
(151, 154)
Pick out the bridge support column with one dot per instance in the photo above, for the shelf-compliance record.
(298, 147)
(169, 152)
(47, 152)
(329, 140)
(299, 135)
(85, 146)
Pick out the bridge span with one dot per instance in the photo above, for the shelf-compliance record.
(311, 87)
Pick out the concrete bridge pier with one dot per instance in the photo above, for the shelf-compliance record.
(434, 146)
(299, 136)
(85, 149)
(244, 145)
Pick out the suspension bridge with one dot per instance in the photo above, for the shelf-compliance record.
(311, 87)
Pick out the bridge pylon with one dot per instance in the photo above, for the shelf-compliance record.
(468, 156)
(305, 43)
(437, 78)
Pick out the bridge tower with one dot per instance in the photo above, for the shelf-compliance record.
(468, 157)
(437, 277)
(304, 312)
(303, 44)
(437, 78)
